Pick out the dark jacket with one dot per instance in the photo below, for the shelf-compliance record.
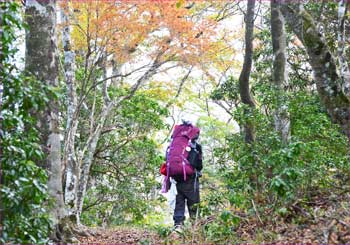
(195, 157)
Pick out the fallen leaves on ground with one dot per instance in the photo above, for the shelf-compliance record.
(120, 235)
(323, 220)
(326, 220)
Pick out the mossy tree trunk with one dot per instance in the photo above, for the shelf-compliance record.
(1, 117)
(41, 60)
(334, 91)
(69, 154)
(343, 65)
(279, 76)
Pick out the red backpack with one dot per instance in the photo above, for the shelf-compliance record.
(177, 153)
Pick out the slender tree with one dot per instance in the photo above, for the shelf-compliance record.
(279, 76)
(244, 89)
(100, 41)
(69, 155)
(344, 71)
(1, 94)
(87, 154)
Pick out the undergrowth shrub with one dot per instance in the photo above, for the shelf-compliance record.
(24, 196)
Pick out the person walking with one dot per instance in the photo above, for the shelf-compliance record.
(188, 190)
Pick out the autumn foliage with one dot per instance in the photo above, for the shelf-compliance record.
(126, 28)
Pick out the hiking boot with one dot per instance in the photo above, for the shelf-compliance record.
(177, 227)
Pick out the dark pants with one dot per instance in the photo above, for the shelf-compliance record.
(186, 190)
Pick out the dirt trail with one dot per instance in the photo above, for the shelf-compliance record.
(119, 236)
(324, 220)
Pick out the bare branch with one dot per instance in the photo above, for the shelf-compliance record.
(183, 80)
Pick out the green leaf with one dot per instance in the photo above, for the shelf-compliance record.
(178, 4)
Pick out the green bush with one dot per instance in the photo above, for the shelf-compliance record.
(23, 189)
(317, 149)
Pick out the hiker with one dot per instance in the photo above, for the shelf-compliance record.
(189, 189)
(183, 165)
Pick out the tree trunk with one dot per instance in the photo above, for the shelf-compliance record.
(334, 92)
(87, 154)
(244, 90)
(42, 61)
(87, 159)
(279, 76)
(69, 154)
(1, 117)
(344, 68)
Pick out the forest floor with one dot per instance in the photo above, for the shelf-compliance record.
(325, 218)
(120, 235)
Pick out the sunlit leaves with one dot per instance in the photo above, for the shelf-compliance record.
(122, 28)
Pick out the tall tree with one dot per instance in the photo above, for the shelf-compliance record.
(41, 60)
(333, 90)
(103, 34)
(244, 89)
(279, 76)
(1, 94)
(69, 155)
(87, 154)
(344, 71)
